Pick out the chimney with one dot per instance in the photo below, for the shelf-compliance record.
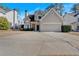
(14, 18)
(26, 14)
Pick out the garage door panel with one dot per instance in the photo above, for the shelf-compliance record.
(50, 27)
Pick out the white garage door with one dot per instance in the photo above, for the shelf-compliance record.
(50, 27)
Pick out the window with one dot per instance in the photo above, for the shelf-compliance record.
(39, 17)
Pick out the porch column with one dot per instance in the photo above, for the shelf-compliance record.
(30, 25)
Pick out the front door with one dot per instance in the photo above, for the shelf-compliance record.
(37, 27)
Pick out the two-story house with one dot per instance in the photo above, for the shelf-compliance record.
(73, 20)
(11, 15)
(50, 21)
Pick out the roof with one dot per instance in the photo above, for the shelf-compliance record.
(76, 14)
(39, 12)
(72, 14)
(31, 17)
(4, 10)
(55, 13)
(26, 19)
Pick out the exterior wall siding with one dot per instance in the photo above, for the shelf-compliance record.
(10, 15)
(74, 27)
(50, 27)
(51, 23)
(70, 20)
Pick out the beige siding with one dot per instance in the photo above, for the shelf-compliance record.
(68, 19)
(50, 27)
(51, 17)
(74, 26)
(51, 22)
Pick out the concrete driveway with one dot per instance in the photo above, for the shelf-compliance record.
(39, 44)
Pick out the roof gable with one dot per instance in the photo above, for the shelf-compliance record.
(56, 14)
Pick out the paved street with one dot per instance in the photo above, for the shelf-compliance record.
(38, 44)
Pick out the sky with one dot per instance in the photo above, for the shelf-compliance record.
(32, 7)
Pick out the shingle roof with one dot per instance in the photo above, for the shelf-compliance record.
(4, 10)
(31, 17)
(76, 14)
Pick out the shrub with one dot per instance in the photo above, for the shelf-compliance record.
(66, 28)
(4, 24)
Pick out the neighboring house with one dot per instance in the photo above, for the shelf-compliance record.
(51, 21)
(11, 15)
(77, 23)
(72, 19)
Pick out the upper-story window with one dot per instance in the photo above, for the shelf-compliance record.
(39, 17)
(78, 19)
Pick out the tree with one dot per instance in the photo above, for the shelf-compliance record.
(4, 24)
(75, 8)
(59, 7)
